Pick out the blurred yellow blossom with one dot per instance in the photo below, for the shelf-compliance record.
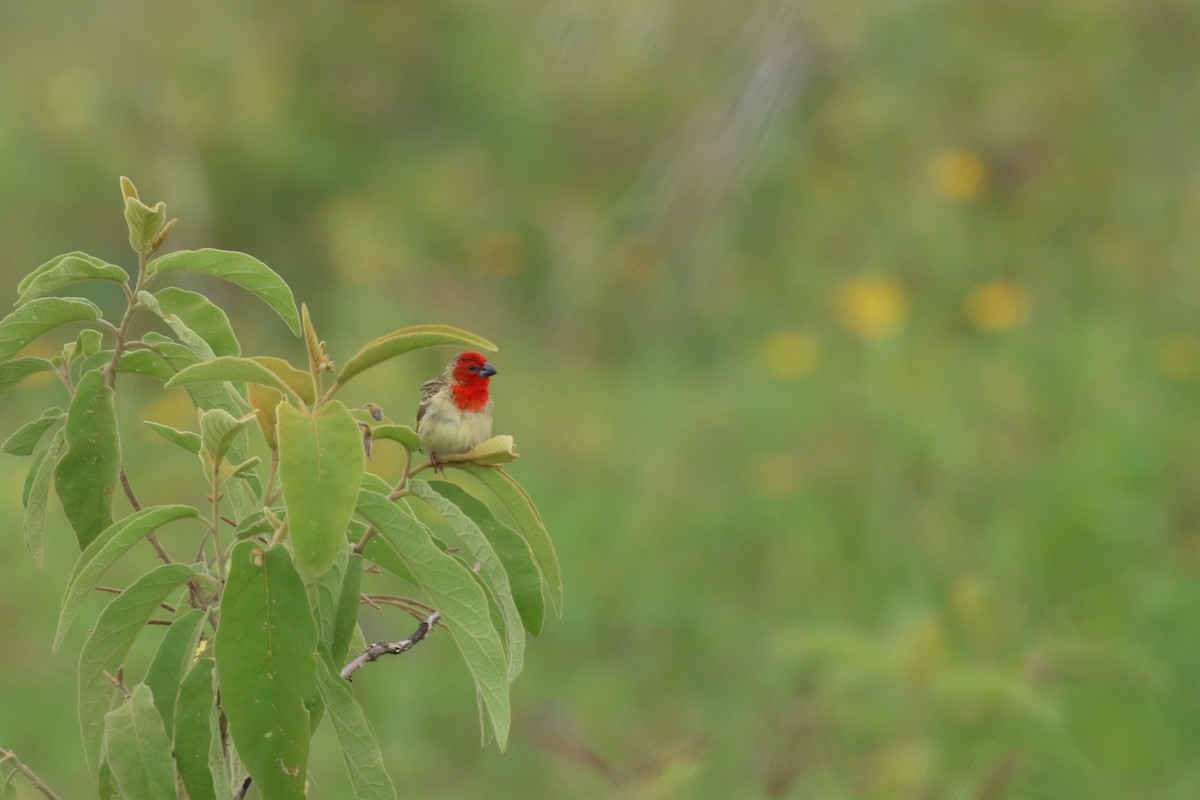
(500, 254)
(1178, 356)
(789, 354)
(874, 306)
(959, 174)
(997, 305)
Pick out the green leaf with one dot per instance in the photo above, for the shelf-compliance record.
(71, 269)
(39, 316)
(105, 550)
(360, 748)
(51, 264)
(106, 784)
(406, 340)
(193, 731)
(13, 372)
(175, 653)
(105, 650)
(266, 665)
(201, 316)
(182, 332)
(219, 429)
(321, 465)
(86, 476)
(246, 271)
(26, 438)
(514, 552)
(37, 492)
(403, 434)
(452, 589)
(144, 222)
(347, 609)
(299, 381)
(88, 343)
(169, 357)
(229, 368)
(492, 453)
(491, 569)
(323, 592)
(137, 748)
(529, 523)
(188, 440)
(253, 524)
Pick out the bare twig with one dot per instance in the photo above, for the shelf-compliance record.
(9, 757)
(378, 649)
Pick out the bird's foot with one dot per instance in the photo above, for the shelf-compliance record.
(436, 463)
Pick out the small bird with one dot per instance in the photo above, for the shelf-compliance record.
(456, 410)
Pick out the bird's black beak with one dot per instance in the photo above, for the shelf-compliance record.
(487, 370)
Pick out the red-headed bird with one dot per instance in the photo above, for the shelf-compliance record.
(456, 409)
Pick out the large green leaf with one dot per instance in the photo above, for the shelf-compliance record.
(219, 430)
(13, 372)
(137, 749)
(105, 650)
(193, 731)
(168, 358)
(323, 591)
(321, 465)
(514, 552)
(346, 616)
(229, 368)
(51, 264)
(463, 603)
(38, 316)
(175, 653)
(298, 380)
(71, 269)
(188, 440)
(109, 546)
(266, 655)
(38, 493)
(26, 438)
(360, 748)
(182, 332)
(201, 316)
(406, 340)
(402, 434)
(246, 271)
(529, 523)
(490, 568)
(87, 474)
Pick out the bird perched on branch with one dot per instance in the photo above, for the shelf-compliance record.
(456, 408)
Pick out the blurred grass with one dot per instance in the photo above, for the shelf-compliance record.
(852, 351)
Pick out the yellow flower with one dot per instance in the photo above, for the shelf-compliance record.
(789, 354)
(997, 305)
(873, 306)
(1178, 356)
(959, 175)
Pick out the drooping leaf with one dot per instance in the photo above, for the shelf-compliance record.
(38, 316)
(188, 440)
(299, 381)
(175, 653)
(168, 358)
(404, 341)
(229, 368)
(13, 372)
(264, 399)
(104, 551)
(253, 524)
(185, 334)
(266, 664)
(51, 264)
(491, 568)
(514, 552)
(144, 222)
(71, 269)
(360, 748)
(239, 268)
(26, 438)
(105, 650)
(137, 748)
(37, 492)
(87, 474)
(347, 609)
(452, 589)
(321, 465)
(193, 731)
(403, 434)
(202, 316)
(529, 524)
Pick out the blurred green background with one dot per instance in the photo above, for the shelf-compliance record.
(852, 350)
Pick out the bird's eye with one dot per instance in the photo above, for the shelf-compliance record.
(474, 368)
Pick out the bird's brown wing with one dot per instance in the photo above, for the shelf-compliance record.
(427, 392)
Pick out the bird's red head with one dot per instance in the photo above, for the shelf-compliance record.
(471, 374)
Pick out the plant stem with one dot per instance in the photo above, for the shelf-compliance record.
(378, 649)
(216, 520)
(9, 757)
